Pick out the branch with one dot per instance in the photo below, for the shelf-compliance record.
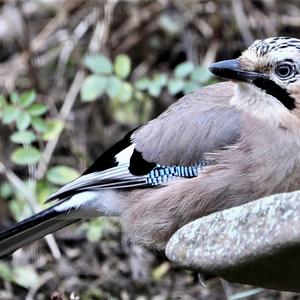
(241, 20)
(63, 114)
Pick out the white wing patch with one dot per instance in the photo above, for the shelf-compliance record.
(91, 204)
(124, 156)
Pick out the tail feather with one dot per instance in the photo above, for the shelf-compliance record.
(31, 229)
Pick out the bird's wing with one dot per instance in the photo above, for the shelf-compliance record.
(171, 146)
(196, 124)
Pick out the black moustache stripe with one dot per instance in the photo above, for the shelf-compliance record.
(276, 91)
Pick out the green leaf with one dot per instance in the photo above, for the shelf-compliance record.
(61, 175)
(14, 98)
(159, 272)
(95, 230)
(173, 25)
(160, 79)
(93, 87)
(122, 66)
(98, 64)
(201, 74)
(190, 86)
(94, 293)
(6, 191)
(125, 113)
(94, 234)
(175, 86)
(10, 113)
(140, 96)
(6, 272)
(2, 101)
(43, 190)
(37, 109)
(184, 69)
(27, 98)
(23, 137)
(99, 228)
(23, 120)
(16, 207)
(39, 124)
(2, 105)
(143, 83)
(54, 128)
(154, 89)
(26, 156)
(113, 86)
(125, 93)
(25, 276)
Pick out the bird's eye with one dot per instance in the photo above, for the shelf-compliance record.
(284, 70)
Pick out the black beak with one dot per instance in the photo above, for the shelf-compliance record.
(231, 69)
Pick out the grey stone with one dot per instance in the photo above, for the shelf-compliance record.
(257, 243)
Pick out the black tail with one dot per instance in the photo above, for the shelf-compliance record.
(31, 229)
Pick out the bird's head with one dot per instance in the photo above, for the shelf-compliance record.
(268, 80)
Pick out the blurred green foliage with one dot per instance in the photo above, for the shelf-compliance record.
(24, 276)
(98, 228)
(26, 117)
(61, 175)
(131, 100)
(31, 128)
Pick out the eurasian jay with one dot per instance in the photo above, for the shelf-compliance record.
(218, 147)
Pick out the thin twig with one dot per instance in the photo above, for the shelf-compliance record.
(26, 45)
(72, 94)
(10, 70)
(63, 114)
(74, 90)
(241, 20)
(136, 21)
(102, 29)
(69, 46)
(211, 53)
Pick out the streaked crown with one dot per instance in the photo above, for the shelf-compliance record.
(275, 44)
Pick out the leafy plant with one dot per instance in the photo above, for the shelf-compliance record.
(24, 276)
(27, 118)
(111, 79)
(61, 175)
(98, 228)
(131, 101)
(31, 129)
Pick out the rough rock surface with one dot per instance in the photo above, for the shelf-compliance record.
(257, 243)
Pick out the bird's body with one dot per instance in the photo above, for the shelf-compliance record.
(261, 161)
(221, 146)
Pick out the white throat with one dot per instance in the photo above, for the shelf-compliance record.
(259, 104)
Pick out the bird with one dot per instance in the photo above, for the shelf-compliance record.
(220, 146)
